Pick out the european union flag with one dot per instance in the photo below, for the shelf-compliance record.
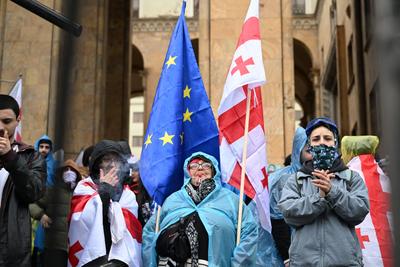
(181, 121)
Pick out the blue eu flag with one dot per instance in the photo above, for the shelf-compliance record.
(181, 121)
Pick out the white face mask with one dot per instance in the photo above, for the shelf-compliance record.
(70, 177)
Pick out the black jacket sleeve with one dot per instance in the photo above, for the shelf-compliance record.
(28, 173)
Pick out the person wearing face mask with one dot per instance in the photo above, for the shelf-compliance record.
(323, 202)
(198, 223)
(52, 212)
(104, 229)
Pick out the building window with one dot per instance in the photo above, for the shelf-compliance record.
(137, 141)
(136, 125)
(137, 117)
(299, 113)
(161, 9)
(299, 7)
(350, 64)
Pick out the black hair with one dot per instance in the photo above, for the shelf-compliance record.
(288, 160)
(46, 141)
(8, 102)
(86, 156)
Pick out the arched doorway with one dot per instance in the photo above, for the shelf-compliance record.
(304, 91)
(137, 102)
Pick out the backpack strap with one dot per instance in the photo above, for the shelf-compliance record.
(349, 183)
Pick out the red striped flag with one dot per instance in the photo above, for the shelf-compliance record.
(16, 93)
(246, 71)
(375, 232)
(86, 237)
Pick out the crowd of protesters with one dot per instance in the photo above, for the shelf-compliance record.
(98, 213)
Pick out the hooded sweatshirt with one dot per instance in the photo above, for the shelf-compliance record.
(50, 162)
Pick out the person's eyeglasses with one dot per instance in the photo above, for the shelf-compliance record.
(204, 166)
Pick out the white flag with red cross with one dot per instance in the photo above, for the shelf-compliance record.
(16, 93)
(375, 232)
(246, 71)
(86, 237)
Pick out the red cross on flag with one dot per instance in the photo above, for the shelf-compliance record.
(16, 93)
(86, 237)
(246, 71)
(375, 232)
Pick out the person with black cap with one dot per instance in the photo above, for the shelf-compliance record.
(22, 181)
(324, 201)
(104, 220)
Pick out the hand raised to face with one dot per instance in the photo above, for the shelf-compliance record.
(110, 177)
(5, 144)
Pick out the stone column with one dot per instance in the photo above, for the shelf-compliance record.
(29, 46)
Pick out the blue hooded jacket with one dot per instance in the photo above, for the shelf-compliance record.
(277, 179)
(218, 213)
(50, 162)
(267, 253)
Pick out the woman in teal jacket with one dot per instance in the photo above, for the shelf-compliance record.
(217, 210)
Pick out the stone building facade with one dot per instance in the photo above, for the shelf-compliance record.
(119, 55)
(341, 62)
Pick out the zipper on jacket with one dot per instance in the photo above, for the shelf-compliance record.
(323, 247)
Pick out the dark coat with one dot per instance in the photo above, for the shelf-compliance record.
(55, 204)
(25, 184)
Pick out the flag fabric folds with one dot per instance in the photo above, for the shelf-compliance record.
(246, 71)
(375, 232)
(16, 93)
(181, 121)
(86, 236)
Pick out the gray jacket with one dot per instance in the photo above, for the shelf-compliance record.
(325, 227)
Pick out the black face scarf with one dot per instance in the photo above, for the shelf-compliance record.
(202, 191)
(323, 156)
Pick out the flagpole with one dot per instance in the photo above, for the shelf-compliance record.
(158, 218)
(244, 159)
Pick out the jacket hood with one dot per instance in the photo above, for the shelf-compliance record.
(214, 162)
(299, 141)
(100, 149)
(44, 137)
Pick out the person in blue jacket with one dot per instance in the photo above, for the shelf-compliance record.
(43, 145)
(276, 182)
(207, 217)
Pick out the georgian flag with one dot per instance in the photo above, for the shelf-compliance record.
(16, 93)
(375, 232)
(86, 236)
(246, 71)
